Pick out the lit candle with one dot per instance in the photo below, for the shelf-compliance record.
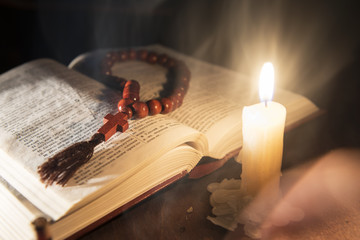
(263, 131)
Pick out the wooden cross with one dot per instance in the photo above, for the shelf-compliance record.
(113, 123)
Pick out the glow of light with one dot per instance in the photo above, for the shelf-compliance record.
(266, 82)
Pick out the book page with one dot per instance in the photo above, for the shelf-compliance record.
(31, 99)
(15, 216)
(46, 107)
(209, 101)
(224, 93)
(215, 99)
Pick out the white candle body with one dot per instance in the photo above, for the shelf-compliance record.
(261, 154)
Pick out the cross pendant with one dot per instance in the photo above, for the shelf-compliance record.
(113, 123)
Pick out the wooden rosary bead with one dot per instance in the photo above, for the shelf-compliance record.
(154, 106)
(123, 103)
(174, 102)
(152, 58)
(176, 87)
(132, 90)
(107, 72)
(170, 63)
(182, 83)
(178, 93)
(123, 56)
(183, 80)
(180, 102)
(177, 98)
(108, 55)
(162, 59)
(167, 105)
(106, 67)
(132, 84)
(128, 111)
(180, 70)
(132, 54)
(142, 55)
(112, 57)
(184, 71)
(141, 110)
(183, 89)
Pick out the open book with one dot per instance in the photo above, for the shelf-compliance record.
(45, 107)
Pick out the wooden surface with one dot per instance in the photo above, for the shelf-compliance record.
(180, 210)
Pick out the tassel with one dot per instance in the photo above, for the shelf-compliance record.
(61, 167)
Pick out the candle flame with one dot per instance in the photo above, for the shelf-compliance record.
(266, 82)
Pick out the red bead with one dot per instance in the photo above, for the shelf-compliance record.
(179, 93)
(106, 71)
(183, 70)
(132, 90)
(123, 103)
(177, 99)
(133, 84)
(162, 59)
(132, 54)
(106, 65)
(183, 90)
(128, 111)
(170, 63)
(112, 56)
(109, 55)
(123, 56)
(182, 85)
(142, 55)
(180, 102)
(152, 58)
(167, 105)
(174, 102)
(141, 109)
(177, 84)
(154, 106)
(183, 80)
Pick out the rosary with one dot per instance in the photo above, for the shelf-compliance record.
(62, 166)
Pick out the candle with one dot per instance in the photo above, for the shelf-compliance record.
(263, 130)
